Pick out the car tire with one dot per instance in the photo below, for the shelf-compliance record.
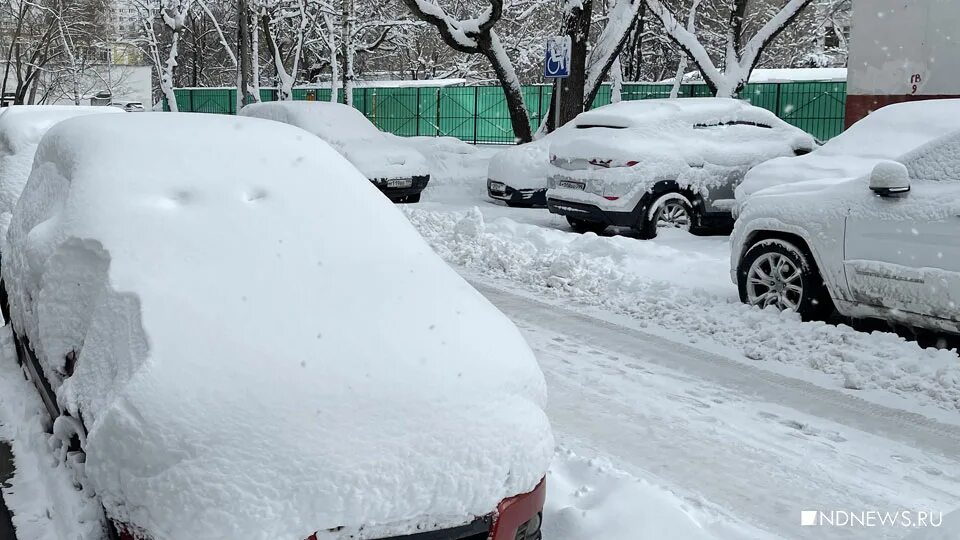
(762, 281)
(671, 209)
(582, 226)
(412, 198)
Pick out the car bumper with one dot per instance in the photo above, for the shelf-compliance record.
(593, 213)
(533, 197)
(516, 518)
(417, 185)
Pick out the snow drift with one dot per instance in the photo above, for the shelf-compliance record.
(246, 366)
(686, 294)
(21, 128)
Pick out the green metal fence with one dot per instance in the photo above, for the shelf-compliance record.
(478, 114)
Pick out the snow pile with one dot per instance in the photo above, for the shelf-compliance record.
(642, 279)
(42, 497)
(246, 365)
(591, 499)
(21, 128)
(375, 153)
(701, 143)
(886, 134)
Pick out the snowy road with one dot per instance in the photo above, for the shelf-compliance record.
(750, 445)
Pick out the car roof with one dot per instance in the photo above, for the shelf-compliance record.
(330, 121)
(687, 111)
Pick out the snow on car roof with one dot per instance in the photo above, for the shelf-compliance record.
(267, 347)
(887, 133)
(329, 121)
(685, 111)
(21, 128)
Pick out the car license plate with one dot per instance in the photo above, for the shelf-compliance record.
(497, 187)
(399, 182)
(567, 184)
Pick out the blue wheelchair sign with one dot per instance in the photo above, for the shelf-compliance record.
(556, 61)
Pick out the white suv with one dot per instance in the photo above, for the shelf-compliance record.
(883, 244)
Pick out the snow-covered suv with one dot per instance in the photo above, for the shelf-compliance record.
(663, 162)
(884, 243)
(222, 359)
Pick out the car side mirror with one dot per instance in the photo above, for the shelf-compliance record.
(890, 179)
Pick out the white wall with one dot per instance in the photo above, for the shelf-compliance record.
(905, 47)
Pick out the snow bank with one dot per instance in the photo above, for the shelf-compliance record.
(886, 134)
(247, 366)
(641, 279)
(591, 499)
(375, 153)
(21, 128)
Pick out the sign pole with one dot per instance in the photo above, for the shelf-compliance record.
(556, 113)
(556, 66)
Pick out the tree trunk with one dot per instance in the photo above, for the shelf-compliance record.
(491, 47)
(349, 18)
(245, 65)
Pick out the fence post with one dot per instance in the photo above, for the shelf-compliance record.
(476, 112)
(439, 101)
(778, 109)
(539, 105)
(417, 119)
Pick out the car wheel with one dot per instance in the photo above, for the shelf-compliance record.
(582, 226)
(777, 273)
(669, 211)
(413, 198)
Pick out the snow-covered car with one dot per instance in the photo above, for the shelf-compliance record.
(663, 163)
(885, 134)
(21, 128)
(129, 106)
(224, 360)
(397, 169)
(518, 175)
(885, 244)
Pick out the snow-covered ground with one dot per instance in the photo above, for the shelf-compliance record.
(745, 416)
(678, 412)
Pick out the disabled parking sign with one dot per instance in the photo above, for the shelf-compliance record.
(556, 63)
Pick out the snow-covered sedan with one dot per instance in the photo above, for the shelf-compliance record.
(663, 163)
(397, 169)
(21, 128)
(518, 175)
(871, 235)
(222, 359)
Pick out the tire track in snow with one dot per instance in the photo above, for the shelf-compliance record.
(904, 426)
(736, 441)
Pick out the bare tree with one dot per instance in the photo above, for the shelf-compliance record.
(738, 58)
(477, 36)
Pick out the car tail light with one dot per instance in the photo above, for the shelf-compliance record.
(519, 518)
(609, 198)
(632, 163)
